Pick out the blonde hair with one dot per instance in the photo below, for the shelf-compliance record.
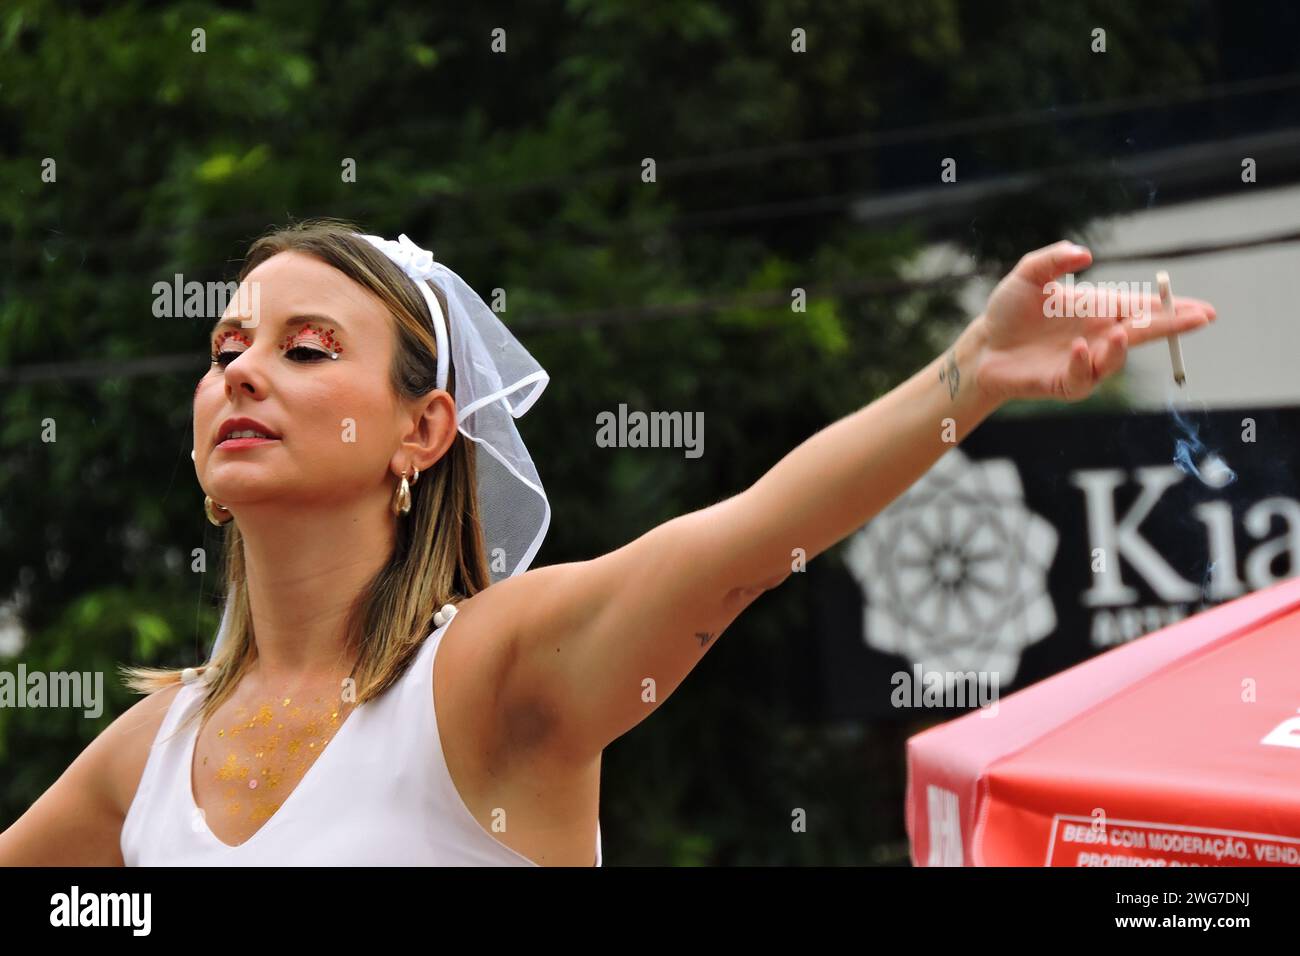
(439, 556)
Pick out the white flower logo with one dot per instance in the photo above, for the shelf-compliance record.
(954, 571)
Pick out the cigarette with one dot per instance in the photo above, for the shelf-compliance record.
(1175, 347)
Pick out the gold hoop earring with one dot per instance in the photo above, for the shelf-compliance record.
(214, 510)
(402, 501)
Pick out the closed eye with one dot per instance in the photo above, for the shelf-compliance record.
(299, 353)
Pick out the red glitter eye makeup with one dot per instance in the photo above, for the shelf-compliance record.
(311, 342)
(222, 338)
(313, 333)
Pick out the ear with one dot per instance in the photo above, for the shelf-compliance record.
(432, 429)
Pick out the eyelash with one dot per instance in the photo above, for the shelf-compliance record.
(223, 357)
(229, 355)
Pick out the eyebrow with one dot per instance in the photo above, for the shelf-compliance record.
(291, 322)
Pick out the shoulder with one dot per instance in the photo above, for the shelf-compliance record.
(483, 641)
(126, 742)
(482, 648)
(78, 820)
(481, 722)
(474, 657)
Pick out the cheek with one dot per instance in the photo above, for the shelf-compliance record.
(200, 403)
(350, 427)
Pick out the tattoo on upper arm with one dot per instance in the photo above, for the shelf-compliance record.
(703, 637)
(951, 374)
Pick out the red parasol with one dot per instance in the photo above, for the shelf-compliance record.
(1181, 748)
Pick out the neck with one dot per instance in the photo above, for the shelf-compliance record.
(305, 567)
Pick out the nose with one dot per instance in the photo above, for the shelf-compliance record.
(244, 373)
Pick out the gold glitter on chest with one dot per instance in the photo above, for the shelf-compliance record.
(263, 752)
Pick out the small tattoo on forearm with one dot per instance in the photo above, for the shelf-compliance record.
(703, 637)
(951, 374)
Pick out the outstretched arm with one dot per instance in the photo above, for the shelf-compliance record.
(601, 643)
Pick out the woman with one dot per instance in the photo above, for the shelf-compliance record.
(329, 443)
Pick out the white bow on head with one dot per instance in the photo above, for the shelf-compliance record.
(416, 262)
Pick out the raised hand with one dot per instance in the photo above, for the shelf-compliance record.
(1041, 339)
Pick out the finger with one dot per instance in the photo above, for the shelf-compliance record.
(1139, 309)
(1050, 262)
(1207, 306)
(1112, 354)
(1077, 381)
(1188, 315)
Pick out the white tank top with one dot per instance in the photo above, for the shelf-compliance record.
(379, 794)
